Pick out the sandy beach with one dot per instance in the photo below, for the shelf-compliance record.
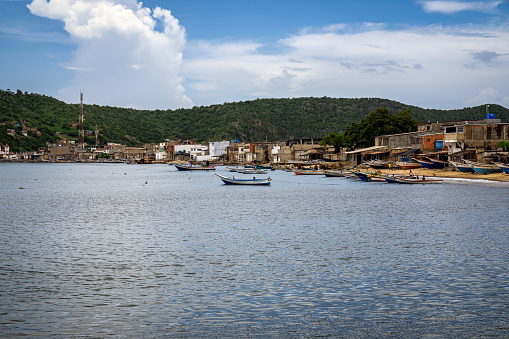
(448, 173)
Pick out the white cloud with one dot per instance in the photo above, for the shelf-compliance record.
(451, 7)
(419, 66)
(121, 58)
(485, 96)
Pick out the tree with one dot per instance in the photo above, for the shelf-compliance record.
(504, 145)
(376, 123)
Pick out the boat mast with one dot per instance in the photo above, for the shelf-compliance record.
(81, 142)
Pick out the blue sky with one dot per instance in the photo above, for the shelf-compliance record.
(170, 54)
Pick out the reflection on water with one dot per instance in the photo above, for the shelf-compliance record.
(145, 251)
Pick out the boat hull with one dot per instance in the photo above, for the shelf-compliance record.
(232, 181)
(438, 163)
(194, 168)
(333, 174)
(426, 164)
(308, 172)
(408, 165)
(462, 167)
(502, 166)
(423, 180)
(486, 169)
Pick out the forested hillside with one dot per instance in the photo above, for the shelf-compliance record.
(45, 119)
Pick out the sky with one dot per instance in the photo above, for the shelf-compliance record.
(174, 54)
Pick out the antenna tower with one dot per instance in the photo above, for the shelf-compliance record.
(82, 131)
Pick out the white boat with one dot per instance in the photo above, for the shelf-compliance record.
(253, 181)
(412, 180)
(333, 173)
(191, 167)
(308, 172)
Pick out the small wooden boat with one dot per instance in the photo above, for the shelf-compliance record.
(438, 163)
(408, 165)
(426, 163)
(486, 169)
(462, 167)
(308, 172)
(411, 180)
(253, 181)
(503, 166)
(251, 171)
(332, 173)
(368, 177)
(194, 168)
(378, 164)
(483, 168)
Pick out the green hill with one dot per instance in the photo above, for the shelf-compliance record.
(42, 117)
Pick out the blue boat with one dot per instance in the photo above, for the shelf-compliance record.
(426, 164)
(462, 167)
(438, 163)
(504, 167)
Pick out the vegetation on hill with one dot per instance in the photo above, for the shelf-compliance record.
(378, 122)
(45, 119)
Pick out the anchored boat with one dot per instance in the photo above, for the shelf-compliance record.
(253, 181)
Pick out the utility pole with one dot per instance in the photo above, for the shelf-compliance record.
(81, 143)
(96, 135)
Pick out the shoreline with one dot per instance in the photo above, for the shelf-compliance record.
(448, 173)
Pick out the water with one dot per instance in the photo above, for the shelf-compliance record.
(98, 250)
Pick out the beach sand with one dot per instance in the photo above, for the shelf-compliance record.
(448, 173)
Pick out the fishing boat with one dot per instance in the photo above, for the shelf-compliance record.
(426, 163)
(438, 163)
(308, 172)
(253, 181)
(478, 167)
(408, 165)
(251, 171)
(503, 166)
(411, 180)
(462, 167)
(486, 169)
(332, 173)
(261, 166)
(378, 164)
(368, 177)
(190, 167)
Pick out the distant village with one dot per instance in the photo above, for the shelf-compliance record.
(475, 140)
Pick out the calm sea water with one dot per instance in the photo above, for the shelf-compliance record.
(100, 250)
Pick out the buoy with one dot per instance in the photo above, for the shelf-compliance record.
(146, 182)
(20, 187)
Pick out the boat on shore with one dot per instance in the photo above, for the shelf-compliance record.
(438, 163)
(408, 165)
(308, 172)
(378, 164)
(426, 163)
(253, 181)
(483, 168)
(462, 167)
(190, 167)
(503, 166)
